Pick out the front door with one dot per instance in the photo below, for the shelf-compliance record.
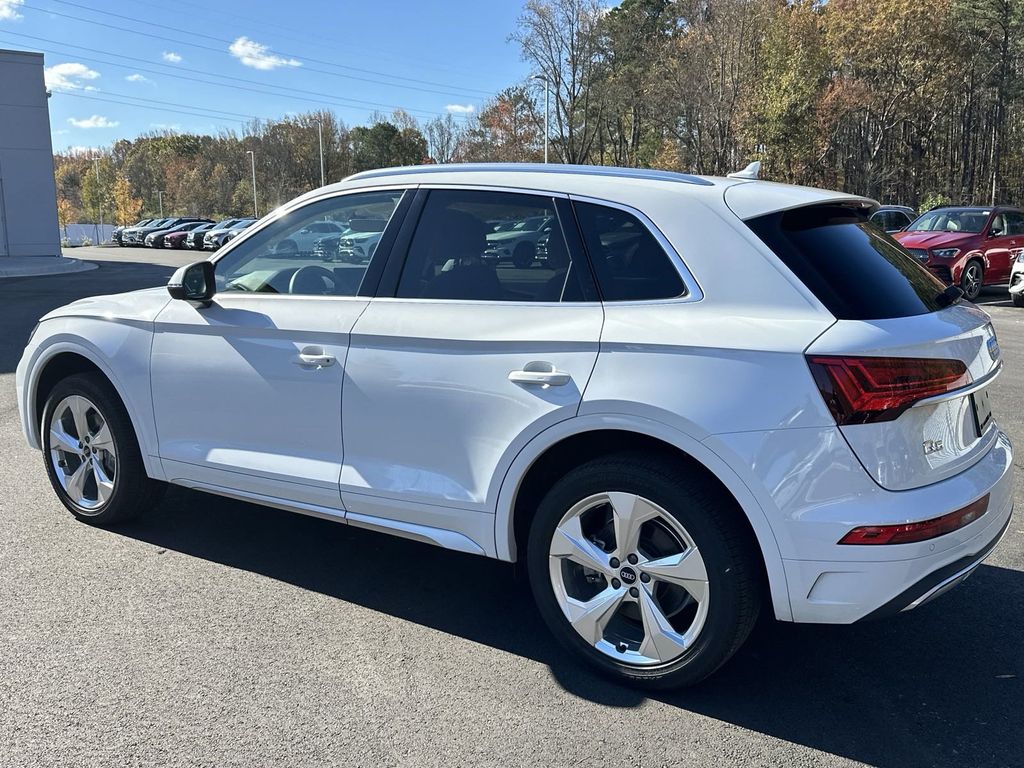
(471, 355)
(247, 391)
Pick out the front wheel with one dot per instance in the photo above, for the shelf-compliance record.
(971, 280)
(645, 569)
(91, 453)
(1018, 299)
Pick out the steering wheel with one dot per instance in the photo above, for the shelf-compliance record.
(312, 279)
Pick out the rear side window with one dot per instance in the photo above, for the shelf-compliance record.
(857, 272)
(629, 263)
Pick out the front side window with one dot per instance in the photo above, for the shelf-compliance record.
(321, 249)
(489, 246)
(629, 262)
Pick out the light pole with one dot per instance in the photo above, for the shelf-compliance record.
(99, 196)
(160, 201)
(547, 93)
(320, 133)
(252, 159)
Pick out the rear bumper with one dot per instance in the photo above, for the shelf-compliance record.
(867, 585)
(812, 502)
(937, 582)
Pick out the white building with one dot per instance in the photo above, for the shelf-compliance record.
(28, 194)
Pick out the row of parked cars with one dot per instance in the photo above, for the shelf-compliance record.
(967, 246)
(181, 232)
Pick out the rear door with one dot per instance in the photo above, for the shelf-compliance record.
(461, 360)
(999, 242)
(1007, 239)
(904, 372)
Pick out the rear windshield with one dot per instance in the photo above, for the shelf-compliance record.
(857, 272)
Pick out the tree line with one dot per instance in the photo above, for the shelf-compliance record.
(907, 101)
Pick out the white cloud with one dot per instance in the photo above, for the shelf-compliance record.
(461, 109)
(172, 57)
(258, 56)
(96, 121)
(137, 78)
(173, 127)
(78, 149)
(9, 10)
(69, 75)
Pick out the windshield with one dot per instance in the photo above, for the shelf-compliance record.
(951, 220)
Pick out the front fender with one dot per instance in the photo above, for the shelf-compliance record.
(120, 350)
(504, 530)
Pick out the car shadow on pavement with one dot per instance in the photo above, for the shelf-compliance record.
(25, 299)
(942, 685)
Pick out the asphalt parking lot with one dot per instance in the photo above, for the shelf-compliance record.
(217, 633)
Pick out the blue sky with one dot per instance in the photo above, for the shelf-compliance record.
(204, 66)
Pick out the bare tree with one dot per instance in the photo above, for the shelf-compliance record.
(444, 138)
(562, 40)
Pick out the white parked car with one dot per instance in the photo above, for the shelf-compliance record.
(714, 397)
(1017, 279)
(304, 240)
(518, 243)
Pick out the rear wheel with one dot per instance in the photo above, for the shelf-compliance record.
(91, 454)
(972, 279)
(645, 569)
(1018, 299)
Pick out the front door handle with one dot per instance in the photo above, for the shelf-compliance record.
(314, 357)
(540, 373)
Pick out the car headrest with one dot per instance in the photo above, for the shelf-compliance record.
(458, 235)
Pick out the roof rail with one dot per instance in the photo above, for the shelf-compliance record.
(586, 170)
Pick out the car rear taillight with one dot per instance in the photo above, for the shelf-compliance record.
(863, 390)
(907, 533)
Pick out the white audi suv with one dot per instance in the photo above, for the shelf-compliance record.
(713, 397)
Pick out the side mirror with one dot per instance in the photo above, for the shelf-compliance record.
(194, 283)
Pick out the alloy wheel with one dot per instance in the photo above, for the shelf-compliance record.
(972, 280)
(82, 453)
(629, 578)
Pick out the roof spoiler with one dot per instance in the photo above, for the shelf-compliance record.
(752, 171)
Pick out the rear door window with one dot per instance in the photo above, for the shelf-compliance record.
(476, 245)
(857, 272)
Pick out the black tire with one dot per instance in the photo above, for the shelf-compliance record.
(1018, 299)
(968, 284)
(134, 492)
(524, 255)
(287, 248)
(717, 527)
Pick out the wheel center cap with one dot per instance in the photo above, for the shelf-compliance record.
(628, 576)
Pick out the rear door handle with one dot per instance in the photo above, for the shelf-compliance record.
(543, 374)
(314, 357)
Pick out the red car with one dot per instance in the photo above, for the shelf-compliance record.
(967, 246)
(177, 239)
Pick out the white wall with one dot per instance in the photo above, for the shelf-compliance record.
(28, 195)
